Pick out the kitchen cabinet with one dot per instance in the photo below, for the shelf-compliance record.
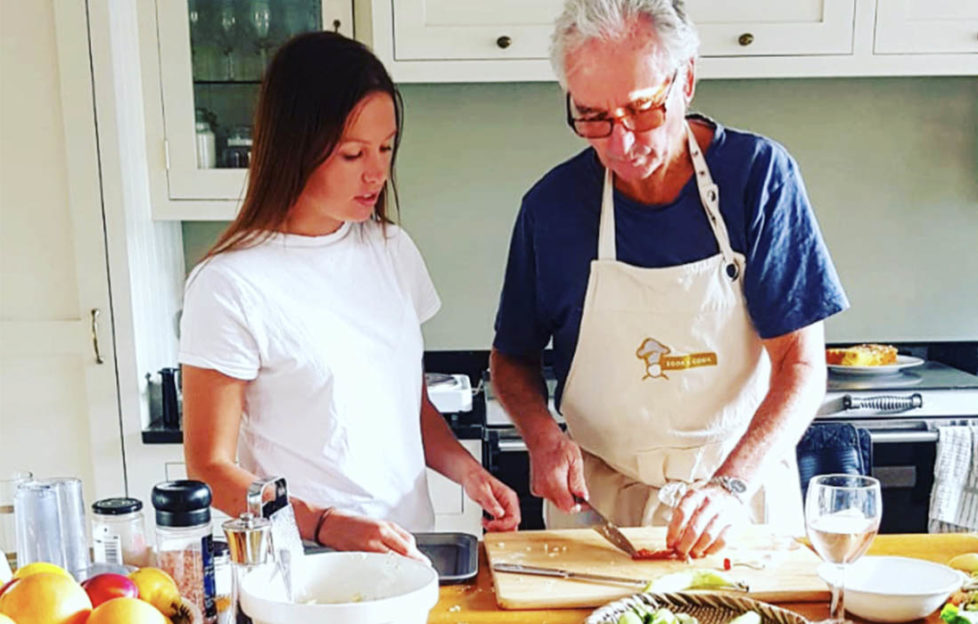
(926, 27)
(454, 511)
(59, 408)
(204, 60)
(508, 40)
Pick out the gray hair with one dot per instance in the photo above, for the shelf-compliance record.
(582, 20)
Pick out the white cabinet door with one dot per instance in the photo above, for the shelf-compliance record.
(926, 27)
(211, 59)
(454, 511)
(59, 408)
(473, 29)
(520, 29)
(773, 27)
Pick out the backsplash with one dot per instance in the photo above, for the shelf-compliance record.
(891, 166)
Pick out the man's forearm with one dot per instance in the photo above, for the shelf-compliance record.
(518, 383)
(796, 390)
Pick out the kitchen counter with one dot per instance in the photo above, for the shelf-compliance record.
(475, 602)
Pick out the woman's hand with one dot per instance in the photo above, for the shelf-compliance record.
(701, 520)
(495, 497)
(346, 531)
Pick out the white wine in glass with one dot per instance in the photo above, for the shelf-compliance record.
(842, 514)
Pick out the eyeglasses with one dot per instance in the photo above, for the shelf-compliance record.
(639, 116)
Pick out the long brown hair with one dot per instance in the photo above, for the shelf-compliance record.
(310, 88)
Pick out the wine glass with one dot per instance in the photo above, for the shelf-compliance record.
(228, 20)
(261, 18)
(842, 515)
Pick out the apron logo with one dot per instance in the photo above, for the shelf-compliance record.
(656, 358)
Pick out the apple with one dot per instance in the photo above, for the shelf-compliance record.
(8, 584)
(104, 587)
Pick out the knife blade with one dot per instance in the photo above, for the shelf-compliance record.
(608, 530)
(516, 568)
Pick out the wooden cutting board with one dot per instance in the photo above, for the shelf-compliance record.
(788, 576)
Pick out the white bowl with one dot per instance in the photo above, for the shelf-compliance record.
(895, 589)
(348, 587)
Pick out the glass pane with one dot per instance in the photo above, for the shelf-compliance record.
(231, 42)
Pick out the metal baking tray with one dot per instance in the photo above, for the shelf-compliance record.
(454, 555)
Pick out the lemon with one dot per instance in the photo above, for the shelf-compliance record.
(158, 589)
(41, 566)
(968, 562)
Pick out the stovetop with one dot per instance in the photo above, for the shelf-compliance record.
(930, 376)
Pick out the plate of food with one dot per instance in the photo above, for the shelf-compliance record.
(869, 359)
(691, 608)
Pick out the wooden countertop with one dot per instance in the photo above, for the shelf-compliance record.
(475, 602)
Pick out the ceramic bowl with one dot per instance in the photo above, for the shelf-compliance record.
(344, 588)
(895, 589)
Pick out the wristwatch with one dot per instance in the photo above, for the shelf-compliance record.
(737, 487)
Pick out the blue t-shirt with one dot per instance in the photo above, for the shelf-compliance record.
(789, 281)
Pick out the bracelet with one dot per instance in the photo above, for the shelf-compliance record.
(319, 524)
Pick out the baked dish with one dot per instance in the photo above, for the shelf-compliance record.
(862, 355)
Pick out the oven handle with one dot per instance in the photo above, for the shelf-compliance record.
(895, 437)
(512, 446)
(883, 403)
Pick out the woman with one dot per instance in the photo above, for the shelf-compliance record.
(301, 344)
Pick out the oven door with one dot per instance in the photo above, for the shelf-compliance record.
(904, 451)
(507, 459)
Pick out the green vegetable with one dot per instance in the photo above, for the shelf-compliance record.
(750, 617)
(629, 617)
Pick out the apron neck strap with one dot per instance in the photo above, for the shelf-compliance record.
(709, 198)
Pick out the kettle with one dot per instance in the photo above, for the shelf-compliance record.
(171, 404)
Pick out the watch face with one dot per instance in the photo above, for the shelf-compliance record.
(737, 485)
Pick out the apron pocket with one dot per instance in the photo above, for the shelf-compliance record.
(656, 467)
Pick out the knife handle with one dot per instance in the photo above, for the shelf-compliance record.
(517, 568)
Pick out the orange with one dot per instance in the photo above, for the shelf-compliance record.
(46, 598)
(40, 566)
(126, 611)
(157, 588)
(6, 620)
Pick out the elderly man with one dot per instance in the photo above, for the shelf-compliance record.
(679, 271)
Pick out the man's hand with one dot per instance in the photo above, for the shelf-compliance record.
(701, 520)
(557, 471)
(345, 531)
(496, 498)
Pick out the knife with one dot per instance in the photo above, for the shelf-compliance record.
(608, 530)
(515, 568)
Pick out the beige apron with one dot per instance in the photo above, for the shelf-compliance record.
(667, 375)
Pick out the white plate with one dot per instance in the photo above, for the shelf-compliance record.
(903, 361)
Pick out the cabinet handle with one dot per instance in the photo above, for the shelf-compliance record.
(98, 354)
(504, 42)
(745, 39)
(336, 25)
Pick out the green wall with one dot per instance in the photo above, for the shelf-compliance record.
(891, 166)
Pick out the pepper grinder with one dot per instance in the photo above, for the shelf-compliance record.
(249, 547)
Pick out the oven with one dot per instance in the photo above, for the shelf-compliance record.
(505, 454)
(902, 413)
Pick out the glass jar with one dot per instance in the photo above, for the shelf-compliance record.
(237, 155)
(206, 142)
(222, 582)
(119, 532)
(184, 541)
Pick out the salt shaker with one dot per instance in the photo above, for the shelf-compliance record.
(250, 547)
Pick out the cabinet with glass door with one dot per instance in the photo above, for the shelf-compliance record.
(211, 55)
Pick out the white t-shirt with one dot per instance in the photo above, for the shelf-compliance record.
(327, 331)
